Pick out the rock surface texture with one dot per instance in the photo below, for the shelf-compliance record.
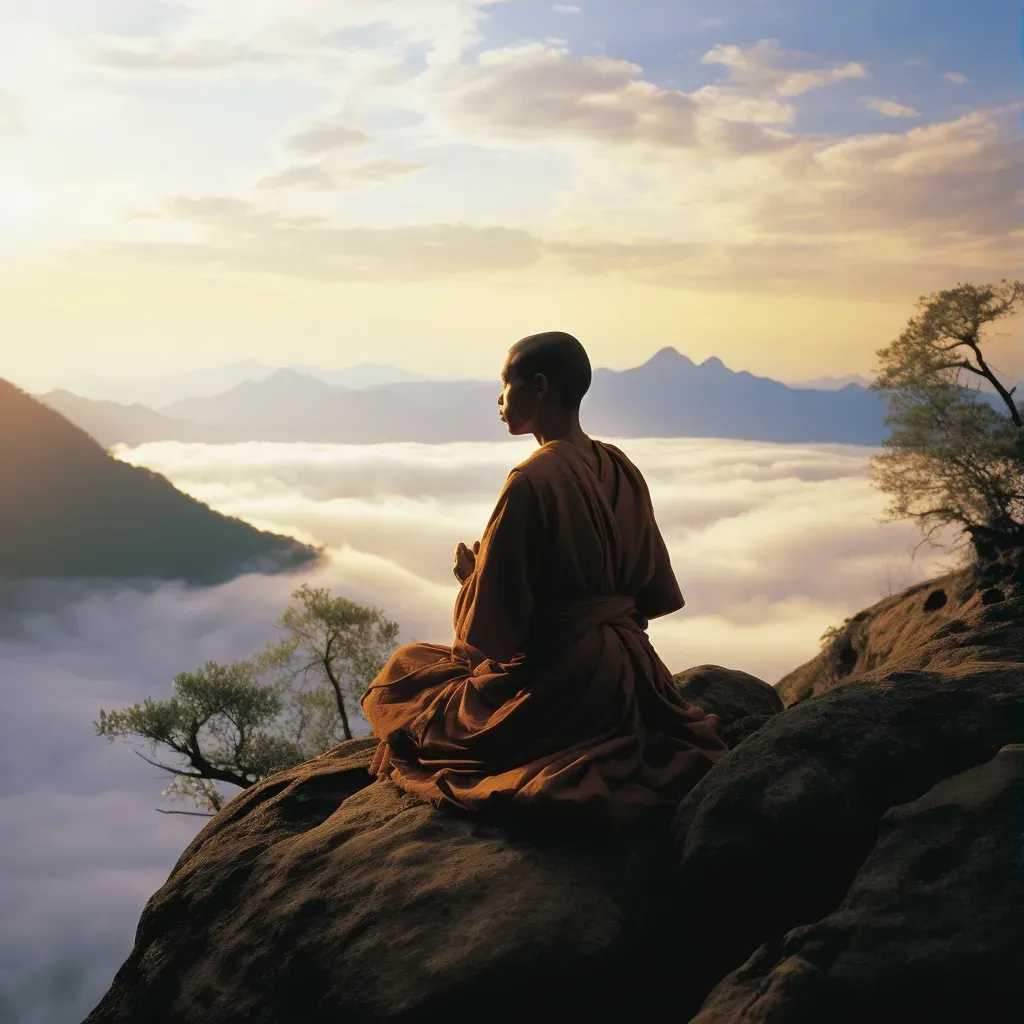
(291, 908)
(932, 927)
(854, 855)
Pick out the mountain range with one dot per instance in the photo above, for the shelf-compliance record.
(69, 509)
(156, 390)
(667, 396)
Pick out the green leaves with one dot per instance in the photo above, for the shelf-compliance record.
(241, 722)
(952, 458)
(334, 642)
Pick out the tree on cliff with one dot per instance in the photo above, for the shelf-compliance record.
(336, 642)
(953, 458)
(235, 724)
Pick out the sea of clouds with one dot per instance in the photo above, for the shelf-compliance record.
(771, 544)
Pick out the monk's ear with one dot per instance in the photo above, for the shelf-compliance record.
(540, 385)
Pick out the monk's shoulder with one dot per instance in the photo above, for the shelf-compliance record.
(619, 454)
(628, 468)
(624, 461)
(539, 462)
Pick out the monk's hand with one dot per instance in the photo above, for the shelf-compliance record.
(465, 561)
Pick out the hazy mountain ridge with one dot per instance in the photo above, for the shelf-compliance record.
(667, 396)
(156, 390)
(72, 510)
(833, 383)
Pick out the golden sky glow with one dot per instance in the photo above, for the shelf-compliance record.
(337, 181)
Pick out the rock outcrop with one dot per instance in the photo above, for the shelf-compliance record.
(303, 905)
(967, 616)
(742, 701)
(773, 836)
(931, 928)
(828, 868)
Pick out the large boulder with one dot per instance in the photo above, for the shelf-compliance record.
(932, 927)
(742, 701)
(727, 692)
(320, 895)
(775, 833)
(941, 623)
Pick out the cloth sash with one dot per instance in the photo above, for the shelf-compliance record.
(562, 624)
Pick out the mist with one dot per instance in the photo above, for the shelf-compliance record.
(771, 544)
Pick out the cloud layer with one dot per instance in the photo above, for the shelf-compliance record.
(771, 544)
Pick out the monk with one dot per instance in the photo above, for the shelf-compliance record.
(551, 698)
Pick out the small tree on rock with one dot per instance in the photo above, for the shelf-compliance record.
(236, 724)
(953, 458)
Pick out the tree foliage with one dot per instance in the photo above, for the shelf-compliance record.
(953, 458)
(236, 724)
(334, 642)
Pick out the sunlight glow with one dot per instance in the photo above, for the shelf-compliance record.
(19, 204)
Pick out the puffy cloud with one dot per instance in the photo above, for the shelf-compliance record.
(566, 8)
(536, 92)
(954, 182)
(956, 77)
(327, 137)
(761, 68)
(890, 107)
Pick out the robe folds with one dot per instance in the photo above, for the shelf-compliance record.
(551, 697)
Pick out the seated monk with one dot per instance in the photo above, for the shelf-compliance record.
(551, 696)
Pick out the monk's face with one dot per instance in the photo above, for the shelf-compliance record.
(521, 401)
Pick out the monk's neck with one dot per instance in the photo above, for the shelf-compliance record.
(571, 432)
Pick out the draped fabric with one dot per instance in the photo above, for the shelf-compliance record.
(551, 696)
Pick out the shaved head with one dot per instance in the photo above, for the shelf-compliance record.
(560, 358)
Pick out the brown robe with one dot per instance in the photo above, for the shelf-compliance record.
(552, 695)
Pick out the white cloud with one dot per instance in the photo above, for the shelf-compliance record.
(771, 544)
(747, 523)
(240, 236)
(327, 137)
(566, 8)
(318, 41)
(957, 77)
(890, 107)
(536, 93)
(532, 91)
(763, 69)
(949, 191)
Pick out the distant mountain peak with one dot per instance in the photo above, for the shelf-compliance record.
(285, 377)
(668, 356)
(713, 363)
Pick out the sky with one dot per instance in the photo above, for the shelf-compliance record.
(771, 544)
(421, 182)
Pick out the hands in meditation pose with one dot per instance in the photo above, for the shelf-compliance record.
(551, 697)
